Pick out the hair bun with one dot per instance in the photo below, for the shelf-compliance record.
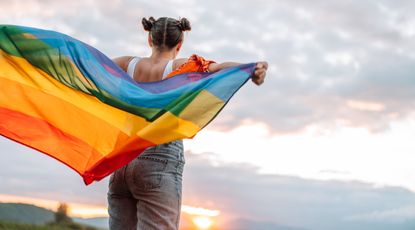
(148, 24)
(184, 24)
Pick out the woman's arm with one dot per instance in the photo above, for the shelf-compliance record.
(258, 77)
(214, 67)
(122, 62)
(259, 74)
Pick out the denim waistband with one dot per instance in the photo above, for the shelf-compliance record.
(170, 151)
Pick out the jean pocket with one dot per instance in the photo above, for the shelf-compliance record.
(148, 172)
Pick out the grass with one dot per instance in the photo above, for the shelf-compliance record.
(5, 225)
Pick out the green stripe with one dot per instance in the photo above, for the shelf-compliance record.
(49, 59)
(178, 105)
(6, 39)
(42, 56)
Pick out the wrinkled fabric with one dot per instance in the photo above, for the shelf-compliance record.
(69, 101)
(195, 63)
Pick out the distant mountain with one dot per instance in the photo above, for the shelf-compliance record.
(25, 213)
(245, 224)
(31, 214)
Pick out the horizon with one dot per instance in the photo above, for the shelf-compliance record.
(330, 131)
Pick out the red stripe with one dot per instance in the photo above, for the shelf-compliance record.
(118, 158)
(44, 137)
(73, 152)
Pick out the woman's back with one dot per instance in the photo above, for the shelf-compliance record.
(146, 193)
(145, 69)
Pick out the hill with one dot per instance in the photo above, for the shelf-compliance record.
(25, 213)
(30, 217)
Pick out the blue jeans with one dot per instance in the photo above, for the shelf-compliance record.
(146, 193)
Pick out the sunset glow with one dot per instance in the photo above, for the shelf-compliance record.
(340, 147)
(203, 222)
(202, 216)
(199, 211)
(326, 143)
(74, 210)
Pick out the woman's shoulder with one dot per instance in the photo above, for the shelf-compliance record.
(123, 61)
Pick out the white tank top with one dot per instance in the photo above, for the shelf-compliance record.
(133, 63)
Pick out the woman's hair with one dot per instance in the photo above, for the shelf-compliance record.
(165, 32)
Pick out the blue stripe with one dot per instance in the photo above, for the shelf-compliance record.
(148, 95)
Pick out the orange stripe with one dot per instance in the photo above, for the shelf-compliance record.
(27, 76)
(20, 71)
(61, 114)
(118, 158)
(46, 138)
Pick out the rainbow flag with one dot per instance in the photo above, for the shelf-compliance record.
(66, 99)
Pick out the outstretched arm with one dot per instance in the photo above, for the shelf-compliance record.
(219, 66)
(258, 77)
(213, 67)
(259, 74)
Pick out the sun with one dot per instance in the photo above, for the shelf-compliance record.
(203, 222)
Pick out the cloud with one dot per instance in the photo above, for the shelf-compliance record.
(340, 62)
(331, 62)
(394, 215)
(25, 172)
(322, 54)
(237, 190)
(240, 190)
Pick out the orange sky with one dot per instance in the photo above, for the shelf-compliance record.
(194, 217)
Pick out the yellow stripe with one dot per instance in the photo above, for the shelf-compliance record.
(202, 109)
(63, 115)
(178, 129)
(19, 70)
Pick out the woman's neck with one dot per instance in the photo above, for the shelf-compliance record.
(157, 54)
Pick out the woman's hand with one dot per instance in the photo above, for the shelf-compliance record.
(260, 72)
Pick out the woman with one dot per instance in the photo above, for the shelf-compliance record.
(146, 193)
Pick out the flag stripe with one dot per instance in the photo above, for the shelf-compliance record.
(68, 100)
(198, 113)
(61, 114)
(43, 136)
(19, 70)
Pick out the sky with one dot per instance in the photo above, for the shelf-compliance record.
(330, 129)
